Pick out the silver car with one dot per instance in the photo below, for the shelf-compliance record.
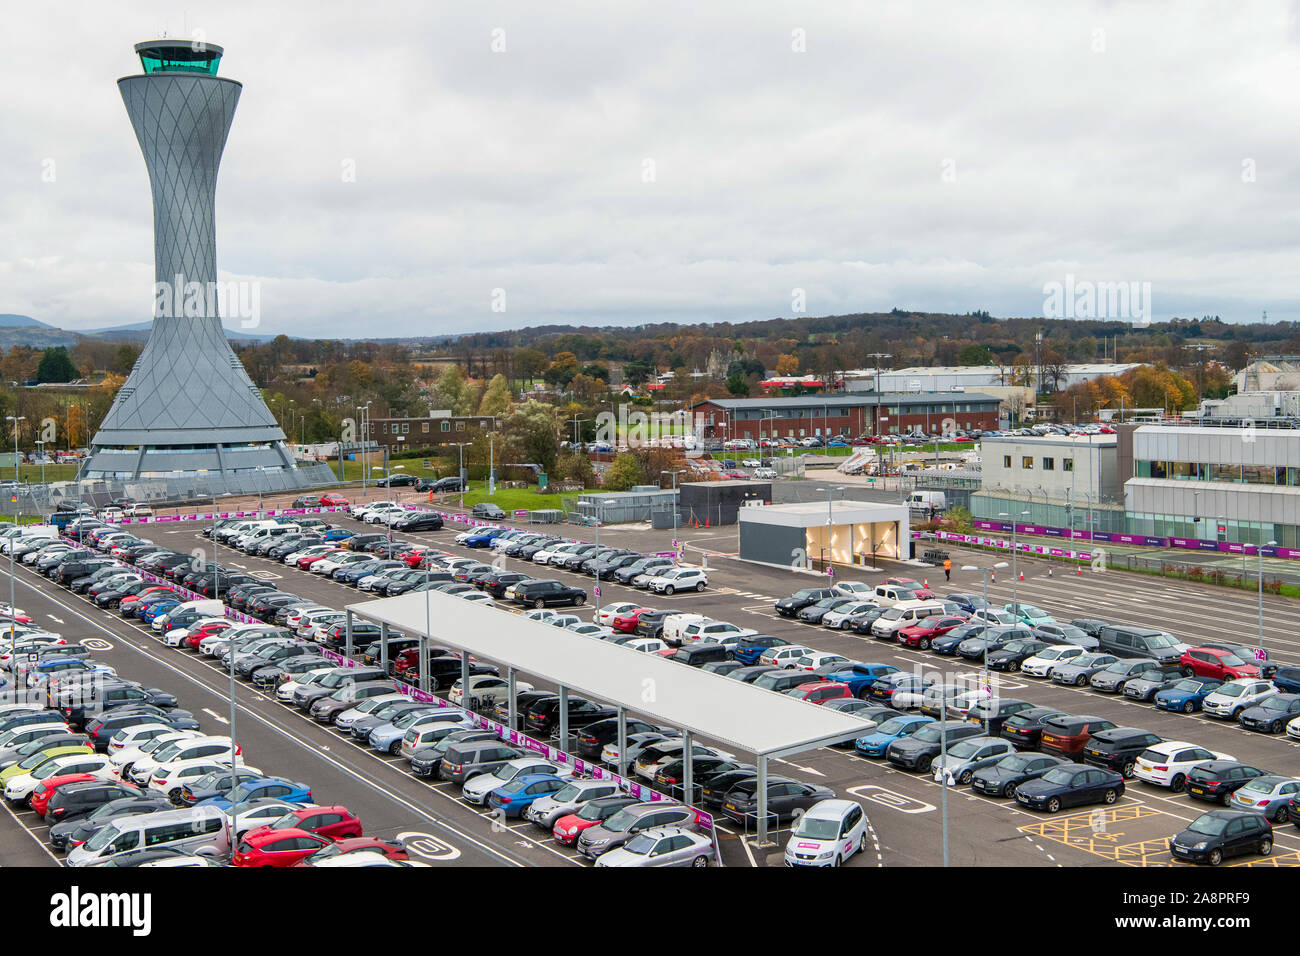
(544, 811)
(661, 846)
(1270, 795)
(969, 755)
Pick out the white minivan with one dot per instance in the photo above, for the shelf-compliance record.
(202, 830)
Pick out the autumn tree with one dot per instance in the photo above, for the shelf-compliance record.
(787, 364)
(496, 397)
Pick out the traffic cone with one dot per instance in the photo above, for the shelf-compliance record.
(925, 582)
(1022, 575)
(1049, 572)
(1078, 570)
(993, 577)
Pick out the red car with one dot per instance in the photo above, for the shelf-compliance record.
(415, 556)
(333, 500)
(1215, 663)
(336, 822)
(196, 636)
(40, 797)
(389, 848)
(307, 562)
(923, 632)
(130, 599)
(267, 847)
(626, 623)
(818, 692)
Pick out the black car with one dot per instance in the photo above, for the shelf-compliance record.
(444, 670)
(1214, 836)
(485, 509)
(1010, 656)
(1003, 777)
(715, 788)
(426, 761)
(1026, 727)
(496, 583)
(544, 716)
(395, 481)
(1070, 785)
(813, 613)
(548, 593)
(752, 673)
(1272, 714)
(991, 639)
(651, 623)
(418, 521)
(1090, 625)
(64, 835)
(918, 751)
(785, 799)
(627, 572)
(591, 739)
(75, 801)
(1118, 748)
(792, 605)
(605, 570)
(1216, 781)
(946, 644)
(994, 713)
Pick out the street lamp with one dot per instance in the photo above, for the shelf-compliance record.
(986, 572)
(388, 486)
(1015, 551)
(1257, 550)
(11, 418)
(41, 446)
(595, 616)
(674, 474)
(829, 554)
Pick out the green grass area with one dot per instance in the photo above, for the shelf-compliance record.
(352, 470)
(516, 499)
(31, 474)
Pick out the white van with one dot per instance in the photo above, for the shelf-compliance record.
(247, 541)
(927, 500)
(200, 830)
(887, 595)
(904, 614)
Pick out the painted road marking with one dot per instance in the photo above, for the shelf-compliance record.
(891, 799)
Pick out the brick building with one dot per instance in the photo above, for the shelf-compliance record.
(437, 429)
(845, 416)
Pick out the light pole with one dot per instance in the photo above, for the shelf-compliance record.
(986, 572)
(1259, 552)
(674, 474)
(829, 555)
(595, 614)
(41, 446)
(20, 418)
(1015, 550)
(388, 486)
(1196, 531)
(260, 469)
(460, 473)
(491, 476)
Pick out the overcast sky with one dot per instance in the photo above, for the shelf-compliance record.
(627, 162)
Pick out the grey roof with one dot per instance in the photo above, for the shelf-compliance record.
(852, 401)
(733, 713)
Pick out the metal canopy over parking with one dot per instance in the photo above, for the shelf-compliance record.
(733, 713)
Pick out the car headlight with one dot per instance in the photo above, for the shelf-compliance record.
(1201, 846)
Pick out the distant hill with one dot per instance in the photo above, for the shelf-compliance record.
(24, 330)
(11, 320)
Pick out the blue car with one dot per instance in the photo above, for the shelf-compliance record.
(351, 575)
(274, 787)
(750, 649)
(484, 538)
(336, 534)
(513, 797)
(877, 742)
(1187, 695)
(1287, 680)
(859, 676)
(157, 609)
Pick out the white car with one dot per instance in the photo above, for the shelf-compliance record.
(712, 632)
(477, 788)
(1293, 729)
(661, 846)
(131, 738)
(607, 613)
(815, 659)
(477, 597)
(263, 812)
(286, 690)
(539, 614)
(177, 635)
(124, 758)
(1042, 663)
(312, 551)
(648, 645)
(784, 655)
(679, 579)
(179, 750)
(852, 589)
(168, 779)
(839, 618)
(1167, 763)
(827, 834)
(345, 720)
(371, 581)
(545, 810)
(20, 787)
(544, 556)
(1234, 696)
(591, 630)
(359, 858)
(993, 615)
(485, 688)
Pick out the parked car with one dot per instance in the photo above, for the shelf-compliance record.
(1166, 764)
(1213, 837)
(1070, 785)
(1216, 780)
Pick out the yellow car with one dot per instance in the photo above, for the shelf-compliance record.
(33, 762)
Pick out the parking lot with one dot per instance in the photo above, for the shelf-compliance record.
(904, 808)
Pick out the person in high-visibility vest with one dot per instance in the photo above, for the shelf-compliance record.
(947, 569)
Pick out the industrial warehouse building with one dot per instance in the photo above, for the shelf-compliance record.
(817, 534)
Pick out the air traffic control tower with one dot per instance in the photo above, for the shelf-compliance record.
(188, 408)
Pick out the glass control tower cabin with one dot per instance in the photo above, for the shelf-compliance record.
(188, 408)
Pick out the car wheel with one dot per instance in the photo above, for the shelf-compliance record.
(923, 765)
(1010, 791)
(699, 586)
(1275, 727)
(1013, 666)
(1111, 795)
(1236, 714)
(1266, 846)
(862, 844)
(395, 747)
(1188, 672)
(669, 589)
(1283, 814)
(1127, 772)
(1178, 784)
(1215, 857)
(577, 601)
(539, 604)
(1053, 805)
(1189, 707)
(700, 861)
(965, 777)
(1226, 799)
(839, 861)
(925, 644)
(1081, 681)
